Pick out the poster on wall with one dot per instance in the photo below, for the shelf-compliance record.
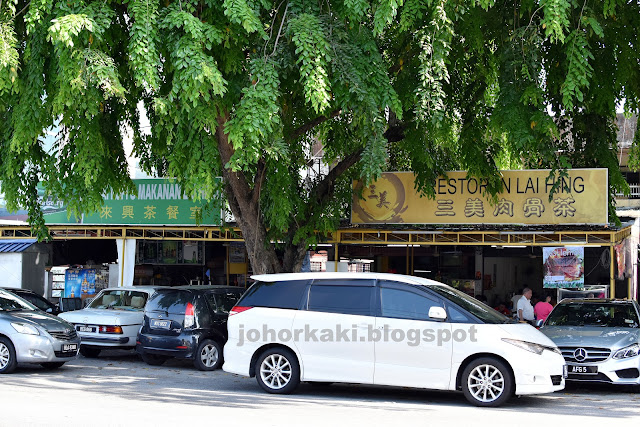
(563, 267)
(80, 283)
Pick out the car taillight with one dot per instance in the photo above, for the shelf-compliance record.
(189, 318)
(110, 329)
(237, 309)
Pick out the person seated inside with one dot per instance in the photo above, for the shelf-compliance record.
(502, 308)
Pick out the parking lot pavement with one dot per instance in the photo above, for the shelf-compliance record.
(119, 389)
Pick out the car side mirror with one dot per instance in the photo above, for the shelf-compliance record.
(539, 323)
(437, 313)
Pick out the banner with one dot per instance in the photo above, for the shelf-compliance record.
(459, 199)
(80, 283)
(563, 267)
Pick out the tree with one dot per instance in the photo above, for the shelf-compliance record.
(245, 88)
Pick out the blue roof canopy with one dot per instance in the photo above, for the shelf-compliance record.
(18, 245)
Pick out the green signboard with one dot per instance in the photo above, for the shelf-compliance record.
(159, 202)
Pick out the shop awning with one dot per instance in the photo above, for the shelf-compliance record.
(15, 245)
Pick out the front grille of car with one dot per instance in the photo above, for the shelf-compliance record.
(556, 379)
(594, 354)
(64, 335)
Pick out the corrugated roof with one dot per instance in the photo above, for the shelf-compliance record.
(15, 245)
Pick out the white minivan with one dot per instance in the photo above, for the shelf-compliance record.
(385, 329)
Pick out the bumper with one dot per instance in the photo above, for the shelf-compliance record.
(182, 346)
(623, 372)
(237, 358)
(41, 349)
(538, 374)
(125, 340)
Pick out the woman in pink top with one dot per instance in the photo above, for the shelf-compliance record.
(543, 308)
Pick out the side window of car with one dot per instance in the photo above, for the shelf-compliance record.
(404, 304)
(457, 316)
(35, 301)
(285, 294)
(344, 299)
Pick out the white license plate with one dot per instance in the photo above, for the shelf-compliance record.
(160, 324)
(69, 347)
(87, 328)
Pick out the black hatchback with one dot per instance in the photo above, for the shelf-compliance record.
(187, 322)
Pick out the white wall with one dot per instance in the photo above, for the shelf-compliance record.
(11, 270)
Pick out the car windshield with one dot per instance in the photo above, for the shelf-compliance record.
(10, 302)
(604, 314)
(226, 301)
(483, 312)
(120, 300)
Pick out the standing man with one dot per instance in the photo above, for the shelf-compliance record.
(525, 309)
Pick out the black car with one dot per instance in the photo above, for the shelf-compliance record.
(36, 299)
(187, 322)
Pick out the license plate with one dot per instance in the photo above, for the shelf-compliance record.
(565, 371)
(160, 324)
(69, 347)
(87, 328)
(576, 369)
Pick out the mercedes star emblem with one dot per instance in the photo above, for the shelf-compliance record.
(580, 354)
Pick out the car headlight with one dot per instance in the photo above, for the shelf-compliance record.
(631, 351)
(25, 328)
(532, 347)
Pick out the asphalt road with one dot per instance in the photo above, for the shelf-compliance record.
(119, 389)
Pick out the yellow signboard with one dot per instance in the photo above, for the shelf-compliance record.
(461, 199)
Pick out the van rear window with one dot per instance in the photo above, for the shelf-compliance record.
(285, 294)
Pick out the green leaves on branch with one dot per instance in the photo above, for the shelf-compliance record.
(144, 58)
(435, 44)
(579, 71)
(9, 59)
(555, 20)
(255, 124)
(312, 48)
(100, 71)
(239, 12)
(384, 15)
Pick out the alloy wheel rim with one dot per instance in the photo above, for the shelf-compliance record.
(5, 356)
(275, 371)
(486, 383)
(209, 355)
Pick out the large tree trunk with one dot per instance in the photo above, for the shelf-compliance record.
(244, 201)
(244, 205)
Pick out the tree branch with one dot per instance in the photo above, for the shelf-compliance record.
(313, 123)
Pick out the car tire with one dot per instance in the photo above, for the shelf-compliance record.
(52, 365)
(153, 359)
(487, 382)
(277, 371)
(8, 360)
(90, 352)
(208, 357)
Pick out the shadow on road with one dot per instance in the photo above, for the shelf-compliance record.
(122, 373)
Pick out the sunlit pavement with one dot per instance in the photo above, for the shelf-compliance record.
(119, 389)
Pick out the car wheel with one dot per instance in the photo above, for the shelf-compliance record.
(277, 371)
(208, 356)
(487, 382)
(90, 352)
(52, 365)
(7, 356)
(153, 359)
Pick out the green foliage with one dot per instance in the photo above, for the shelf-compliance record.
(254, 89)
(579, 70)
(312, 49)
(556, 18)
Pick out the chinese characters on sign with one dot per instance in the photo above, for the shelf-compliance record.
(159, 202)
(580, 198)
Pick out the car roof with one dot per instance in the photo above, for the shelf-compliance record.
(595, 301)
(19, 290)
(149, 289)
(413, 280)
(202, 288)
